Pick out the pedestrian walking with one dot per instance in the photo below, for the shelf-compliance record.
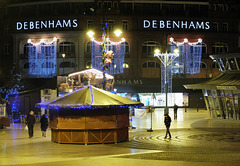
(167, 121)
(30, 123)
(44, 125)
(175, 108)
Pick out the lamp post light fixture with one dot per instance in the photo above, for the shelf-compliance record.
(63, 56)
(107, 55)
(166, 59)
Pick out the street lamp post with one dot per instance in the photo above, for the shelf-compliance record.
(106, 57)
(63, 55)
(166, 59)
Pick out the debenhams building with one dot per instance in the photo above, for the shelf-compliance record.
(56, 33)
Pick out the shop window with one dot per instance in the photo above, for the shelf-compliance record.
(225, 27)
(215, 26)
(219, 47)
(203, 65)
(149, 47)
(90, 24)
(125, 65)
(125, 25)
(204, 48)
(151, 64)
(110, 24)
(89, 65)
(48, 65)
(115, 4)
(107, 4)
(220, 7)
(26, 47)
(126, 8)
(88, 49)
(47, 50)
(214, 7)
(226, 8)
(67, 65)
(127, 48)
(67, 48)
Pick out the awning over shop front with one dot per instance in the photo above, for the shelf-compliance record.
(224, 81)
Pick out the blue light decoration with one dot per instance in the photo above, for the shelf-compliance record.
(50, 105)
(100, 48)
(15, 107)
(13, 88)
(188, 61)
(42, 58)
(190, 54)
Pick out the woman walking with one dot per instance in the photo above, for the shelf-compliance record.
(44, 125)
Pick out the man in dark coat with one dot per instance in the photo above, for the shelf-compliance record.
(175, 108)
(167, 121)
(30, 123)
(44, 125)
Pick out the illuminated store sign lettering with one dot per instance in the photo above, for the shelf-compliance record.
(168, 24)
(32, 25)
(129, 82)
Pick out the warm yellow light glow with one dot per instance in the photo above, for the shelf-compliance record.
(118, 33)
(157, 51)
(42, 41)
(90, 34)
(176, 51)
(185, 40)
(54, 39)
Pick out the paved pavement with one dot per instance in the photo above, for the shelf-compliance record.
(196, 141)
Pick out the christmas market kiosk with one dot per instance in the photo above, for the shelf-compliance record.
(89, 115)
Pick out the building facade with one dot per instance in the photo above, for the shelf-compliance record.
(221, 94)
(57, 31)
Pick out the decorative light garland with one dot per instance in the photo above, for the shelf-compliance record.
(108, 41)
(80, 106)
(185, 41)
(99, 50)
(42, 58)
(42, 41)
(188, 61)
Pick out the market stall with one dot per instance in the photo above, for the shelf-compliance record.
(4, 120)
(89, 115)
(82, 78)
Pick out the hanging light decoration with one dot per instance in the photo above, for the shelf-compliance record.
(115, 52)
(42, 58)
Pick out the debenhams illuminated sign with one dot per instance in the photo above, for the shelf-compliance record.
(170, 24)
(48, 24)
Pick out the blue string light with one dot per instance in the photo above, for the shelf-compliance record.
(80, 106)
(42, 60)
(188, 62)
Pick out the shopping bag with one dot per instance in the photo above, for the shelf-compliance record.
(26, 127)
